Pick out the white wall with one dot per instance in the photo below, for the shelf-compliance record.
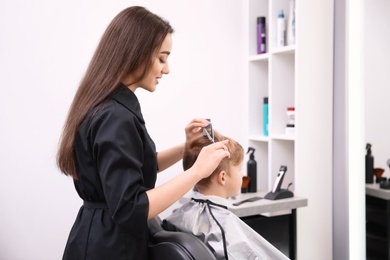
(340, 175)
(45, 47)
(377, 87)
(313, 151)
(354, 125)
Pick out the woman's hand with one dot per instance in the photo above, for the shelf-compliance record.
(209, 158)
(194, 128)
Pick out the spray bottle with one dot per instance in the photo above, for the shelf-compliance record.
(369, 165)
(252, 170)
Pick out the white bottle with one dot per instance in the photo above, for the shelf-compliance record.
(281, 30)
(291, 24)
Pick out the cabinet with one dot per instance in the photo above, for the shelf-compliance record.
(377, 228)
(271, 75)
(377, 222)
(279, 230)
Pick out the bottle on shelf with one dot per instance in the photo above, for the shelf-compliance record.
(369, 165)
(290, 127)
(281, 30)
(252, 170)
(265, 116)
(261, 35)
(291, 24)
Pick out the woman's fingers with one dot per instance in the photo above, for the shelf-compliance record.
(222, 147)
(195, 126)
(210, 157)
(197, 123)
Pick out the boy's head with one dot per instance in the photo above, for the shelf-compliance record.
(226, 180)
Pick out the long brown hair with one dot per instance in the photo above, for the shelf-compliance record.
(129, 43)
(193, 149)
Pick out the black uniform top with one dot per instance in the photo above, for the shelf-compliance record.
(116, 164)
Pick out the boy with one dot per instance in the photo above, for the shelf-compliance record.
(206, 214)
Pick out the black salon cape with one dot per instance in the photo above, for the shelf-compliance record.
(116, 164)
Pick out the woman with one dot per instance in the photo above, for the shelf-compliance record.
(107, 150)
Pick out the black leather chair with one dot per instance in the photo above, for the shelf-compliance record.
(175, 245)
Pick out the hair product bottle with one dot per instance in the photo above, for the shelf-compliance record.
(290, 127)
(261, 35)
(369, 165)
(265, 116)
(291, 24)
(281, 30)
(252, 170)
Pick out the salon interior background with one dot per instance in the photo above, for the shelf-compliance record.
(45, 47)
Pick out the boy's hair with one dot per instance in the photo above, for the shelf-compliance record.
(193, 149)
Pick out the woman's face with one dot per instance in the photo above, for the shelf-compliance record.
(159, 67)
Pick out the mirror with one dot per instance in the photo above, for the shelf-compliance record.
(377, 128)
(377, 86)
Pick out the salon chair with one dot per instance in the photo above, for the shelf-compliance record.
(175, 245)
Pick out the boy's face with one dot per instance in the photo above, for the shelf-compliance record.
(235, 180)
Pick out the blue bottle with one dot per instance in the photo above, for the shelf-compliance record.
(265, 116)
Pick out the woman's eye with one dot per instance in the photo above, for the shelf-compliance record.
(162, 61)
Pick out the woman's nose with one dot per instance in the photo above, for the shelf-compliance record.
(166, 69)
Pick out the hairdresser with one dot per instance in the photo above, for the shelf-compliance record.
(107, 150)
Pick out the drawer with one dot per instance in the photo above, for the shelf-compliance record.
(377, 216)
(377, 244)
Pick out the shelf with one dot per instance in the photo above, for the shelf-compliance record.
(264, 205)
(284, 137)
(375, 191)
(271, 75)
(284, 50)
(259, 57)
(288, 77)
(259, 138)
(262, 138)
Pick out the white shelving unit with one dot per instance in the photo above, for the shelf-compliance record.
(271, 75)
(299, 76)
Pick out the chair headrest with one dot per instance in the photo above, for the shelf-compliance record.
(154, 225)
(175, 245)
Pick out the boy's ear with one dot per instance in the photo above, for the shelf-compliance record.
(221, 178)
